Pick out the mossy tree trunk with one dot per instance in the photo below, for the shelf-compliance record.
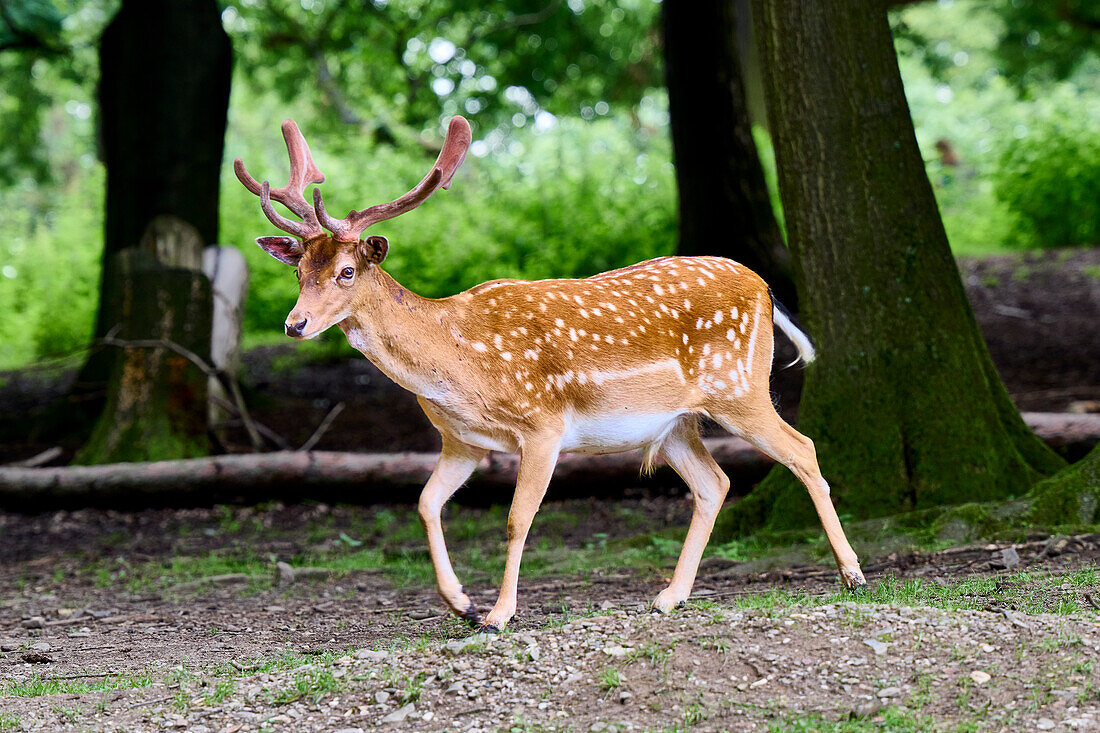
(903, 403)
(725, 208)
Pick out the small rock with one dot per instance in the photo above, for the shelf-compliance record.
(419, 614)
(1044, 724)
(879, 646)
(284, 573)
(624, 696)
(867, 709)
(399, 715)
(616, 651)
(979, 676)
(597, 727)
(372, 655)
(1007, 558)
(381, 697)
(886, 692)
(41, 646)
(8, 645)
(606, 606)
(34, 622)
(348, 730)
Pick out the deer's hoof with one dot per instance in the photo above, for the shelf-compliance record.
(470, 616)
(488, 629)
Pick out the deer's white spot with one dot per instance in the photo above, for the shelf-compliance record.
(718, 317)
(657, 289)
(730, 335)
(498, 341)
(478, 346)
(506, 356)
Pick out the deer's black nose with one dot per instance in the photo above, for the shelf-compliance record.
(296, 329)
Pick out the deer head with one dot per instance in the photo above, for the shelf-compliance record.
(331, 265)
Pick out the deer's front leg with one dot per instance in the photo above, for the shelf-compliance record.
(456, 463)
(536, 465)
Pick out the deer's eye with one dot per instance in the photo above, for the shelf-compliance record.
(297, 276)
(347, 273)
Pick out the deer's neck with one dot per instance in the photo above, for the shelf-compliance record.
(403, 334)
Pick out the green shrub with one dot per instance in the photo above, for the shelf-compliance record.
(49, 277)
(1050, 176)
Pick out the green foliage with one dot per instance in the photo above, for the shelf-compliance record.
(395, 67)
(961, 94)
(1050, 177)
(49, 271)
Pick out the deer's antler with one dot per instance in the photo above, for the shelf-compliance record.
(450, 158)
(302, 173)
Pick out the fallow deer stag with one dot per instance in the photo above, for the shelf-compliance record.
(621, 360)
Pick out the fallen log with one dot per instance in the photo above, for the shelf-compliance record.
(386, 477)
(324, 475)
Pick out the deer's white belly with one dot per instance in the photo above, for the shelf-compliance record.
(616, 432)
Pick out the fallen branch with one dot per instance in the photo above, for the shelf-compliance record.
(323, 427)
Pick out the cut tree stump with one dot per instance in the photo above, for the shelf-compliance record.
(156, 402)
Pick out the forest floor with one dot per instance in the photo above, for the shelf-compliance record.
(179, 620)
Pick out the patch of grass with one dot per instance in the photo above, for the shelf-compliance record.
(1024, 592)
(610, 679)
(38, 686)
(309, 682)
(10, 721)
(222, 691)
(889, 719)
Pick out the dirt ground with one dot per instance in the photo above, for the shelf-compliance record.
(1016, 648)
(1037, 310)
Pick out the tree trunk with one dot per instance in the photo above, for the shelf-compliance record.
(903, 402)
(725, 208)
(163, 95)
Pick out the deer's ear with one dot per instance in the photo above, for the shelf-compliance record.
(375, 248)
(287, 250)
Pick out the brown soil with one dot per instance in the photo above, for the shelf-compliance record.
(723, 665)
(1038, 312)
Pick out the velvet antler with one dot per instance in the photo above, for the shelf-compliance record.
(450, 158)
(302, 173)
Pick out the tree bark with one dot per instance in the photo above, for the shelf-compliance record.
(163, 95)
(903, 402)
(725, 208)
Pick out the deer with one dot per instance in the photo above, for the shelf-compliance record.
(624, 360)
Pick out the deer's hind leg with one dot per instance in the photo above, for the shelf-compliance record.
(759, 424)
(684, 451)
